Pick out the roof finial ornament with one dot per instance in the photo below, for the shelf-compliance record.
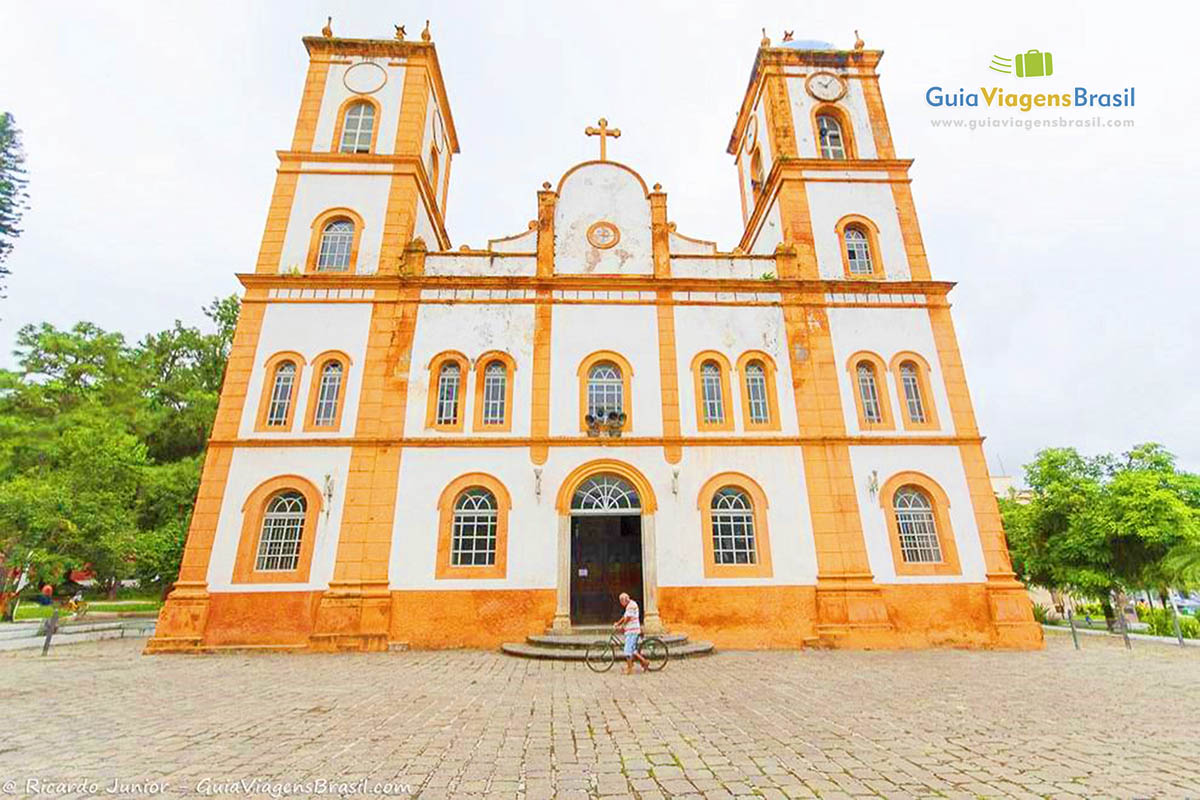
(327, 31)
(787, 35)
(766, 42)
(859, 44)
(425, 34)
(399, 32)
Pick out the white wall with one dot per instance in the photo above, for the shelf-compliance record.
(472, 329)
(630, 330)
(741, 267)
(684, 245)
(942, 464)
(517, 243)
(829, 202)
(780, 473)
(854, 104)
(336, 93)
(770, 233)
(309, 329)
(532, 526)
(732, 331)
(533, 522)
(885, 332)
(611, 193)
(249, 468)
(480, 265)
(366, 195)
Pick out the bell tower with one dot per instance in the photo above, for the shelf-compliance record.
(812, 138)
(373, 145)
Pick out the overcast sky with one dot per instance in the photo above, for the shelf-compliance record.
(150, 130)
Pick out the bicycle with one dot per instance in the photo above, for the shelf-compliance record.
(603, 654)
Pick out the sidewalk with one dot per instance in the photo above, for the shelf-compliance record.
(25, 635)
(1133, 637)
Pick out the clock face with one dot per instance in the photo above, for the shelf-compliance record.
(751, 134)
(826, 86)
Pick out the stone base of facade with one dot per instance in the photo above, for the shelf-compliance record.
(851, 615)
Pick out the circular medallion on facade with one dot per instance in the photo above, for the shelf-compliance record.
(364, 77)
(751, 134)
(603, 235)
(825, 86)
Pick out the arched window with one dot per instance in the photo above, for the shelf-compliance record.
(494, 376)
(605, 494)
(760, 404)
(916, 509)
(868, 392)
(329, 392)
(358, 128)
(474, 537)
(605, 389)
(733, 527)
(710, 378)
(758, 408)
(605, 397)
(495, 393)
(445, 404)
(281, 535)
(913, 401)
(473, 528)
(757, 179)
(733, 515)
(337, 242)
(831, 143)
(917, 409)
(868, 382)
(713, 400)
(858, 251)
(433, 172)
(279, 524)
(916, 526)
(283, 385)
(449, 392)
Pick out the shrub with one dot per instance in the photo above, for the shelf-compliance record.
(1159, 620)
(1041, 613)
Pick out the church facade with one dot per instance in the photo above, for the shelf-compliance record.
(454, 447)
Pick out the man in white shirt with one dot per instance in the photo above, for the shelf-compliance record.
(631, 623)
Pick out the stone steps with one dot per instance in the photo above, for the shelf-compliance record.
(557, 646)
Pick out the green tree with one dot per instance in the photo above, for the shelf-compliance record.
(101, 446)
(1104, 525)
(13, 198)
(77, 508)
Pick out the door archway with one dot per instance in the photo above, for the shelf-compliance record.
(606, 544)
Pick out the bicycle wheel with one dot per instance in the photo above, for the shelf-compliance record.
(600, 656)
(655, 651)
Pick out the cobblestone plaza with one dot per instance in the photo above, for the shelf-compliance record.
(943, 723)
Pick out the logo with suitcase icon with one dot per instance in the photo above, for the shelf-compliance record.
(1030, 64)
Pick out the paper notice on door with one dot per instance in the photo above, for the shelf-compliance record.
(583, 573)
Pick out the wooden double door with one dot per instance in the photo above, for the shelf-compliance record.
(606, 559)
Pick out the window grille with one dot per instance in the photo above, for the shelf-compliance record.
(336, 242)
(495, 380)
(281, 394)
(357, 128)
(449, 384)
(474, 535)
(282, 530)
(916, 527)
(733, 527)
